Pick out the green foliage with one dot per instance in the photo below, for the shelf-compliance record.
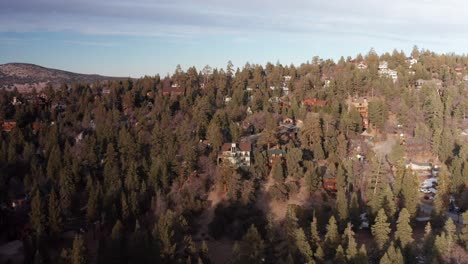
(404, 232)
(78, 252)
(381, 229)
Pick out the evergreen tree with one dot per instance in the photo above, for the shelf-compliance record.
(351, 245)
(381, 229)
(55, 214)
(78, 252)
(37, 215)
(253, 247)
(314, 234)
(332, 238)
(303, 245)
(342, 204)
(464, 230)
(339, 256)
(362, 256)
(392, 256)
(404, 232)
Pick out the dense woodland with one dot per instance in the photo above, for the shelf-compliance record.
(129, 171)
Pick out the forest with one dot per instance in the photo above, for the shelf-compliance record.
(360, 160)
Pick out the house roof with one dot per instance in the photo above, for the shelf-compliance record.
(315, 102)
(245, 146)
(226, 147)
(276, 152)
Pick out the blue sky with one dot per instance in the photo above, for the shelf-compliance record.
(146, 37)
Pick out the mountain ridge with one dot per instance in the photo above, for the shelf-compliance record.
(27, 76)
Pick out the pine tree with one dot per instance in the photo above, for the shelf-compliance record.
(392, 256)
(342, 204)
(278, 172)
(339, 256)
(404, 232)
(332, 238)
(37, 214)
(315, 238)
(55, 214)
(410, 193)
(164, 233)
(78, 253)
(381, 229)
(253, 246)
(351, 245)
(362, 256)
(303, 245)
(464, 230)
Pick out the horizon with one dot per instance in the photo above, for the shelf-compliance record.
(134, 39)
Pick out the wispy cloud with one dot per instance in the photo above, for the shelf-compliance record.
(184, 18)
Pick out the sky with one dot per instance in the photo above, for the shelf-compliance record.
(148, 37)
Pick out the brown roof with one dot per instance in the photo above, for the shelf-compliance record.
(7, 126)
(226, 147)
(245, 146)
(314, 102)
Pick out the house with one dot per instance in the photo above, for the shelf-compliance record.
(458, 68)
(285, 90)
(419, 83)
(362, 65)
(16, 101)
(227, 99)
(37, 126)
(416, 166)
(275, 155)
(173, 90)
(8, 125)
(106, 91)
(392, 74)
(311, 102)
(329, 182)
(411, 61)
(383, 65)
(362, 106)
(235, 154)
(287, 78)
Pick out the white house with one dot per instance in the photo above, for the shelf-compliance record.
(415, 166)
(411, 61)
(287, 78)
(383, 65)
(362, 65)
(235, 154)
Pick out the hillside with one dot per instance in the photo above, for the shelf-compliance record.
(25, 77)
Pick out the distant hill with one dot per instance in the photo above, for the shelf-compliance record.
(25, 77)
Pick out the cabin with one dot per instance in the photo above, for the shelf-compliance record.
(8, 125)
(314, 102)
(275, 155)
(362, 106)
(235, 154)
(173, 90)
(416, 166)
(329, 182)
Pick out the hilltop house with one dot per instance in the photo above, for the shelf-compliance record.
(362, 105)
(235, 154)
(384, 71)
(174, 89)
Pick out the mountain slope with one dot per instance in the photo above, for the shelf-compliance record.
(25, 77)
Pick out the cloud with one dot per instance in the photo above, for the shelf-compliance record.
(423, 20)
